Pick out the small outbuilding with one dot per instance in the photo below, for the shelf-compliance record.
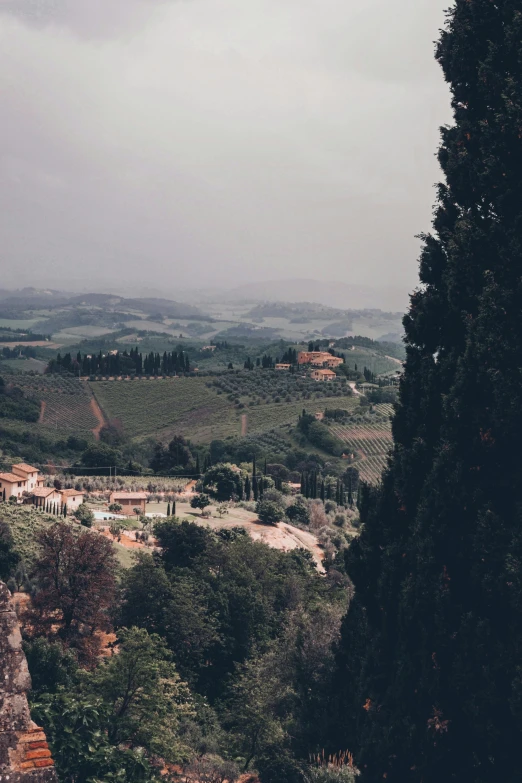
(129, 500)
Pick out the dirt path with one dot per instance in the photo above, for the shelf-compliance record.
(351, 384)
(187, 491)
(244, 424)
(393, 359)
(43, 406)
(282, 536)
(95, 408)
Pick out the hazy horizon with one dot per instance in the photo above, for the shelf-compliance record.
(173, 145)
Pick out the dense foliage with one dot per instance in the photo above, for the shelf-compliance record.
(15, 405)
(429, 679)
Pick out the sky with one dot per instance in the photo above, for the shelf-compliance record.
(170, 144)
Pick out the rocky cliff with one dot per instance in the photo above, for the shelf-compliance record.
(24, 754)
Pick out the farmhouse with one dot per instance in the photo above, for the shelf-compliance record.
(22, 478)
(44, 495)
(332, 361)
(29, 474)
(129, 500)
(11, 485)
(282, 366)
(318, 359)
(323, 375)
(71, 498)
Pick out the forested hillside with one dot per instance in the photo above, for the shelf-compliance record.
(428, 680)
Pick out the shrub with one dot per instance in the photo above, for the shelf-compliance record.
(84, 515)
(269, 512)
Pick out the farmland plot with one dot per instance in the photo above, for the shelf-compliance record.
(165, 406)
(66, 402)
(370, 441)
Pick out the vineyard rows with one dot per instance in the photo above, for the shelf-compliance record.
(67, 402)
(370, 441)
(166, 406)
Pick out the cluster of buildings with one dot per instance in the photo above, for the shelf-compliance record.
(25, 481)
(319, 359)
(323, 361)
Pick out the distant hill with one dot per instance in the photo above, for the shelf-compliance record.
(327, 292)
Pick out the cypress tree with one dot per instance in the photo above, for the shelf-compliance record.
(429, 683)
(322, 494)
(65, 510)
(254, 487)
(198, 472)
(168, 509)
(173, 508)
(248, 488)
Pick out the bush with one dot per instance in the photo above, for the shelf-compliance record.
(270, 512)
(298, 512)
(84, 515)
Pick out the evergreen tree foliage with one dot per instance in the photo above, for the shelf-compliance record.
(429, 680)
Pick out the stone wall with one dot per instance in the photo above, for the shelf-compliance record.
(24, 754)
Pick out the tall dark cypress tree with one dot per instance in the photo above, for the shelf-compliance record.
(429, 665)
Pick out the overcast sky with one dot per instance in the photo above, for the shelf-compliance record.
(172, 143)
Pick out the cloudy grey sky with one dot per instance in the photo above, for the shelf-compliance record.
(173, 143)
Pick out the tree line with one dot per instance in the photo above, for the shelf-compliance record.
(121, 363)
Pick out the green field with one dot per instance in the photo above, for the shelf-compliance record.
(23, 365)
(369, 438)
(191, 407)
(19, 323)
(162, 406)
(67, 403)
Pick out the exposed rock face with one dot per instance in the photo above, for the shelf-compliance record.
(24, 754)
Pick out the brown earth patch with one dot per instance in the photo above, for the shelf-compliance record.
(95, 408)
(43, 406)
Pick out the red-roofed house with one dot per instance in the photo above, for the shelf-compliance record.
(11, 485)
(323, 375)
(72, 498)
(44, 495)
(29, 474)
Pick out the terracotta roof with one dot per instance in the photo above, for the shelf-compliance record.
(43, 492)
(128, 495)
(26, 468)
(69, 493)
(324, 372)
(10, 477)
